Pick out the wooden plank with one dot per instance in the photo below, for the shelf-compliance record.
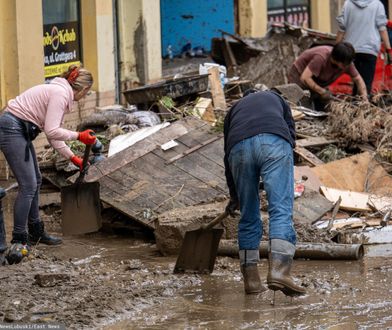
(197, 166)
(308, 156)
(213, 151)
(314, 142)
(351, 200)
(141, 148)
(218, 96)
(193, 149)
(193, 188)
(357, 173)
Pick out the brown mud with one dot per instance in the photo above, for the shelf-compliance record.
(114, 282)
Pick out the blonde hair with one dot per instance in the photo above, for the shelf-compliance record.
(78, 77)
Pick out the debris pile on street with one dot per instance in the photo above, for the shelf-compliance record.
(164, 153)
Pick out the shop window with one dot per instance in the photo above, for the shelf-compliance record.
(294, 12)
(61, 34)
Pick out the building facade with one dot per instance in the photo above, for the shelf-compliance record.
(122, 41)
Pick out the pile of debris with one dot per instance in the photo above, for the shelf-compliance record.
(164, 168)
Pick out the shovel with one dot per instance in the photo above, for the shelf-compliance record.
(199, 248)
(80, 204)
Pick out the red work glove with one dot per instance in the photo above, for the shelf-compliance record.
(87, 136)
(77, 161)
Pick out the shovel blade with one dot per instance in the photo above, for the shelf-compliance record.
(198, 251)
(81, 208)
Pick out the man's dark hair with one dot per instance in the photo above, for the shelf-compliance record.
(343, 52)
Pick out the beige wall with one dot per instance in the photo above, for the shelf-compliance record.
(320, 15)
(21, 51)
(139, 41)
(252, 18)
(98, 42)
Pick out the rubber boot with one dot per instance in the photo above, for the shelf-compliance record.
(37, 234)
(280, 259)
(250, 272)
(19, 248)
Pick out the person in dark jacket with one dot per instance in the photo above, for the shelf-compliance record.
(259, 135)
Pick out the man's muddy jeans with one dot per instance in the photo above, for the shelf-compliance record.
(27, 174)
(270, 157)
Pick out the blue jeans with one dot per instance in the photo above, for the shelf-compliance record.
(270, 157)
(27, 173)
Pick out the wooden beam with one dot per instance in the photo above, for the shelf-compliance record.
(314, 142)
(308, 156)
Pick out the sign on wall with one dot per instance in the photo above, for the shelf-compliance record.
(61, 47)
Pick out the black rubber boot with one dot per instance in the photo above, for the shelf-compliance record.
(19, 248)
(37, 234)
(280, 259)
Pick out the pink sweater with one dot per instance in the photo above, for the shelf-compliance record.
(45, 106)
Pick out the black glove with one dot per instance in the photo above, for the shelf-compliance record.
(326, 95)
(232, 206)
(389, 56)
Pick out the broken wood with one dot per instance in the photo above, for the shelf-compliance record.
(368, 236)
(356, 173)
(139, 149)
(351, 200)
(196, 147)
(334, 213)
(308, 156)
(218, 96)
(204, 110)
(314, 142)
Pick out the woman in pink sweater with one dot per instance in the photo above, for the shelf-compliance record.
(40, 108)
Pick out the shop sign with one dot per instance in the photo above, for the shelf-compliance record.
(61, 47)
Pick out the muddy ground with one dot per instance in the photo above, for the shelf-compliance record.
(119, 282)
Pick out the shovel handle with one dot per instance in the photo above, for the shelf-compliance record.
(214, 222)
(85, 162)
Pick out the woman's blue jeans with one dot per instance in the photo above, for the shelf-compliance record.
(270, 157)
(27, 173)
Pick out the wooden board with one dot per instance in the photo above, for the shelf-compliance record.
(218, 96)
(314, 142)
(351, 200)
(141, 148)
(356, 173)
(308, 156)
(147, 185)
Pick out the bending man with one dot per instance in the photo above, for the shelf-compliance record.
(259, 136)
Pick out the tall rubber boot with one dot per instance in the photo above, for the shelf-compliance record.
(250, 272)
(37, 234)
(280, 259)
(3, 242)
(19, 248)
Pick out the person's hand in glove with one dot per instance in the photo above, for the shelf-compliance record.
(326, 95)
(87, 136)
(232, 206)
(389, 56)
(77, 161)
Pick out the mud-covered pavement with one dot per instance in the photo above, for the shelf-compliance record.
(113, 282)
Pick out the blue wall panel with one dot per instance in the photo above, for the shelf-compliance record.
(195, 22)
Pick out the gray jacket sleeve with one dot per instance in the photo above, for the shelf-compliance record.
(341, 19)
(381, 18)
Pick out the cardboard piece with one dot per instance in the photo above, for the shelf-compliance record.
(356, 173)
(351, 200)
(312, 182)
